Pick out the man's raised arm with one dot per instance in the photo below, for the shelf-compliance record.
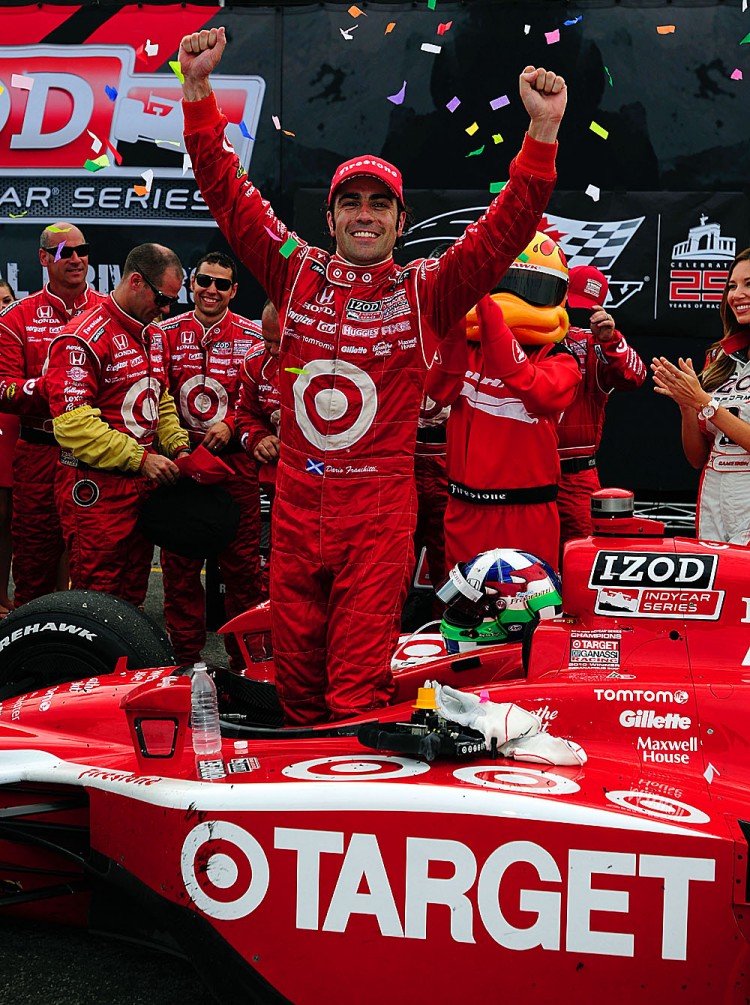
(200, 54)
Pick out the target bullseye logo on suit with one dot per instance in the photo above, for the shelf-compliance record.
(140, 407)
(335, 403)
(204, 400)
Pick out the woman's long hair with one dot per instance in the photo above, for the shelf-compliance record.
(719, 366)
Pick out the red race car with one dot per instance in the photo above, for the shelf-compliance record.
(402, 857)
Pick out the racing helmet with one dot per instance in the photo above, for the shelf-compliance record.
(492, 598)
(532, 293)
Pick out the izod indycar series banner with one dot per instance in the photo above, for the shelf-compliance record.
(91, 132)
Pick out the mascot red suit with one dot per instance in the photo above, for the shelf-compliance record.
(507, 378)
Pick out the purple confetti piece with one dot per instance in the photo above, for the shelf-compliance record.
(736, 74)
(60, 247)
(552, 36)
(453, 104)
(398, 98)
(484, 695)
(500, 102)
(271, 234)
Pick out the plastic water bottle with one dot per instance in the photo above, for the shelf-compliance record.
(204, 721)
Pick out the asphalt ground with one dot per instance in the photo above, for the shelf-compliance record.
(43, 964)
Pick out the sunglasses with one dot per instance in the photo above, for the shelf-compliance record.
(161, 299)
(67, 251)
(204, 281)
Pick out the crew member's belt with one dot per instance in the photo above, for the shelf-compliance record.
(572, 465)
(503, 497)
(39, 436)
(432, 434)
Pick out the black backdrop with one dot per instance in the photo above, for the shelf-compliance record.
(672, 172)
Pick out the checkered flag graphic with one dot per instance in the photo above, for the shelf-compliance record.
(588, 243)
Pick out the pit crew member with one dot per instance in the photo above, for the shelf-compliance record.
(354, 350)
(110, 410)
(27, 328)
(607, 364)
(203, 354)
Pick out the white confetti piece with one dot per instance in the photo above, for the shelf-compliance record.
(593, 192)
(429, 47)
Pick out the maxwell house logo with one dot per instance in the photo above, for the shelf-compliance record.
(45, 128)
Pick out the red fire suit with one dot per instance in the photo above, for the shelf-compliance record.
(502, 446)
(203, 376)
(604, 368)
(258, 415)
(109, 405)
(353, 356)
(27, 328)
(432, 488)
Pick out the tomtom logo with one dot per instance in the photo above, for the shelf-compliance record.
(653, 570)
(635, 694)
(45, 130)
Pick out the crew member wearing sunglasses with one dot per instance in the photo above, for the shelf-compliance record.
(115, 420)
(27, 328)
(204, 350)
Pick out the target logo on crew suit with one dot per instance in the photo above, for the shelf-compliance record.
(335, 403)
(140, 407)
(203, 402)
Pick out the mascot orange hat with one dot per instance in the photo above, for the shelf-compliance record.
(532, 293)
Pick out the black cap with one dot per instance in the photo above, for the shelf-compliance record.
(197, 521)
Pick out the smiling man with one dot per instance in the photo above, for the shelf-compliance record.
(357, 332)
(204, 350)
(27, 328)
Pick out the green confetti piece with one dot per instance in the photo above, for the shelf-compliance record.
(523, 257)
(174, 65)
(497, 138)
(93, 165)
(288, 247)
(599, 130)
(59, 230)
(477, 152)
(16, 216)
(497, 186)
(431, 4)
(609, 76)
(294, 369)
(746, 39)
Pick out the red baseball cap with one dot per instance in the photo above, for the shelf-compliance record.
(368, 166)
(587, 287)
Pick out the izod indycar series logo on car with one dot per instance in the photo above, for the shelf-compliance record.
(656, 585)
(79, 103)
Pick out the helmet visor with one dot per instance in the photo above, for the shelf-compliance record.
(537, 288)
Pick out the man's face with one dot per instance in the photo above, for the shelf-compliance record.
(211, 303)
(66, 274)
(365, 221)
(271, 332)
(142, 303)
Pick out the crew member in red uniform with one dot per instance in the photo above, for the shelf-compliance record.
(9, 426)
(503, 466)
(203, 354)
(607, 364)
(259, 410)
(112, 414)
(355, 343)
(27, 328)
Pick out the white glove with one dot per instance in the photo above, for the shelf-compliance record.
(544, 749)
(501, 722)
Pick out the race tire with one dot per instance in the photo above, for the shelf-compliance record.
(75, 634)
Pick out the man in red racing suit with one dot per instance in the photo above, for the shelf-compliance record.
(27, 328)
(110, 409)
(354, 352)
(203, 354)
(607, 364)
